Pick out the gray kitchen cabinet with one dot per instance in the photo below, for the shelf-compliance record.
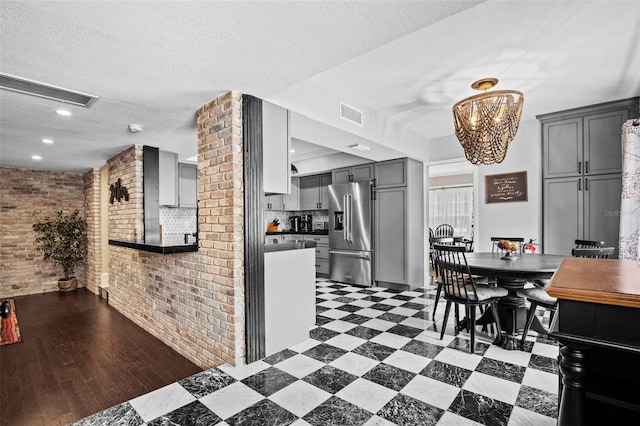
(314, 192)
(322, 253)
(277, 238)
(291, 201)
(188, 179)
(581, 166)
(584, 141)
(399, 225)
(168, 179)
(276, 143)
(362, 172)
(585, 208)
(392, 173)
(274, 202)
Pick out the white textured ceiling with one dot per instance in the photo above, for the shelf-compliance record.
(404, 63)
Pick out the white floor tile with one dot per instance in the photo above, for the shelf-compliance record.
(334, 313)
(371, 313)
(354, 363)
(403, 311)
(362, 304)
(412, 293)
(434, 337)
(300, 365)
(300, 397)
(346, 342)
(541, 380)
(383, 294)
(544, 349)
(451, 419)
(378, 324)
(327, 296)
(305, 346)
(231, 399)
(365, 394)
(522, 417)
(390, 339)
(434, 392)
(378, 421)
(298, 422)
(513, 357)
(393, 302)
(459, 358)
(331, 304)
(407, 361)
(340, 326)
(493, 387)
(161, 401)
(417, 323)
(243, 371)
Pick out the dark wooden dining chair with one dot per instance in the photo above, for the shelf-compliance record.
(538, 296)
(444, 240)
(444, 231)
(461, 289)
(495, 240)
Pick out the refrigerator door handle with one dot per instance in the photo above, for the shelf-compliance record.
(362, 254)
(349, 218)
(345, 215)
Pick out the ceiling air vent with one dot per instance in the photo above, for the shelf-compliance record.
(350, 114)
(34, 88)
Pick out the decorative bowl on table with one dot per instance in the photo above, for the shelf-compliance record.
(511, 249)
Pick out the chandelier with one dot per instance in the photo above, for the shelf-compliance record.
(486, 123)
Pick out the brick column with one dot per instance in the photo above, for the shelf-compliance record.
(93, 261)
(221, 212)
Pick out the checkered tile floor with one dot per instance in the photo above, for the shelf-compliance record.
(375, 358)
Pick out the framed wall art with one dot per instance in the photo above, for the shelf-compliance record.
(506, 187)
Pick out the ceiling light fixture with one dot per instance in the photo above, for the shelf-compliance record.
(36, 157)
(486, 123)
(64, 112)
(360, 147)
(135, 128)
(47, 141)
(292, 151)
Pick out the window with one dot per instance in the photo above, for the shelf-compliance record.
(452, 205)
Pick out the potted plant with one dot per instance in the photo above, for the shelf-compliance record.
(63, 240)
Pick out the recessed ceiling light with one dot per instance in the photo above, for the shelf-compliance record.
(64, 112)
(360, 147)
(48, 141)
(36, 157)
(292, 151)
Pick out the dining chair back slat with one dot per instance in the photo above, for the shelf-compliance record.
(444, 230)
(580, 244)
(594, 253)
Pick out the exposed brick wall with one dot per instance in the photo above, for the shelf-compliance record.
(126, 218)
(93, 264)
(194, 302)
(28, 196)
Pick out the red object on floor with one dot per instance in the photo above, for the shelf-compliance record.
(9, 330)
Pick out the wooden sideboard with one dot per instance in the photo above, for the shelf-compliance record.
(598, 328)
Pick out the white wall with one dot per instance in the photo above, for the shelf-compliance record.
(517, 219)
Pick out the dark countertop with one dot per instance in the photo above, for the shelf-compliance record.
(154, 246)
(318, 232)
(294, 245)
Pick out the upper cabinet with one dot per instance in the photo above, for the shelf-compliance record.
(358, 173)
(584, 141)
(391, 174)
(168, 178)
(188, 181)
(291, 201)
(314, 192)
(276, 142)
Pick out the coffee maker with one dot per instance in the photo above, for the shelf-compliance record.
(294, 223)
(306, 224)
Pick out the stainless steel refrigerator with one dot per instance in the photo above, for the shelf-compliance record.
(351, 233)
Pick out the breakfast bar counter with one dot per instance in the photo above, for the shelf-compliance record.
(598, 328)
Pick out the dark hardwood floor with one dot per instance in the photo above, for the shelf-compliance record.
(78, 356)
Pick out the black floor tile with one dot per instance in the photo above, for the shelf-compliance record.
(279, 356)
(330, 379)
(406, 411)
(405, 330)
(262, 413)
(446, 373)
(425, 349)
(269, 381)
(389, 376)
(325, 353)
(337, 412)
(363, 332)
(481, 409)
(374, 351)
(208, 381)
(322, 334)
(501, 369)
(550, 365)
(194, 414)
(539, 401)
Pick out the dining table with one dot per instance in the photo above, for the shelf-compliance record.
(513, 274)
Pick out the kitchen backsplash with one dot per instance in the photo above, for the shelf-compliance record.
(283, 216)
(177, 221)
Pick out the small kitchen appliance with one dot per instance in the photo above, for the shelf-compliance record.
(294, 223)
(306, 223)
